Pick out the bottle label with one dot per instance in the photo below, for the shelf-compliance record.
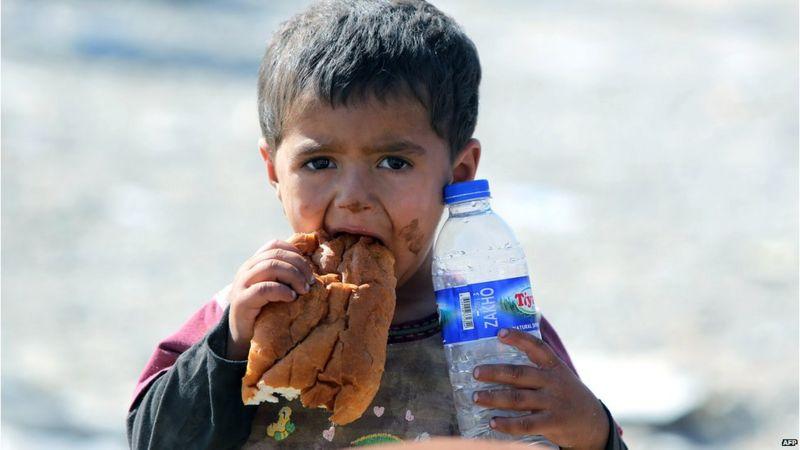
(480, 310)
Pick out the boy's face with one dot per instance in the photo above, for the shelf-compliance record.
(369, 168)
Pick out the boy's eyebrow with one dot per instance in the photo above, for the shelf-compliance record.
(402, 145)
(311, 147)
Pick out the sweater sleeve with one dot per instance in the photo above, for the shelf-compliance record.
(195, 403)
(614, 441)
(550, 336)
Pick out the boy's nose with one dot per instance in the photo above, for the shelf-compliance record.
(355, 207)
(355, 193)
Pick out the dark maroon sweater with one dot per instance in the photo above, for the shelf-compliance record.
(189, 394)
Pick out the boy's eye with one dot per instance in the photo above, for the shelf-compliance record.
(320, 163)
(393, 163)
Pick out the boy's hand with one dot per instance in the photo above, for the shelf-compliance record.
(277, 272)
(560, 406)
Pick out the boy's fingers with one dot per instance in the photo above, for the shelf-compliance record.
(259, 294)
(513, 399)
(516, 375)
(277, 270)
(536, 349)
(534, 423)
(276, 243)
(293, 258)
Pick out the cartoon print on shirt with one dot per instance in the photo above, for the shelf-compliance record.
(281, 429)
(328, 434)
(375, 438)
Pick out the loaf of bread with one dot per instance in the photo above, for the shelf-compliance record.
(329, 345)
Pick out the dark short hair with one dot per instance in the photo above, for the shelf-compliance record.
(346, 50)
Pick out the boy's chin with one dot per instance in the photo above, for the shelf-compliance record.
(418, 271)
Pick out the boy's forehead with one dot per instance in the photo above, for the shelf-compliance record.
(387, 144)
(392, 123)
(402, 109)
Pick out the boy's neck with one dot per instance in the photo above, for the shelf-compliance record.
(415, 298)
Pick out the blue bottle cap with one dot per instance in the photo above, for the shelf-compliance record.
(467, 190)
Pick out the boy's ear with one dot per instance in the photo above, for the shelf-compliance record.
(267, 156)
(466, 164)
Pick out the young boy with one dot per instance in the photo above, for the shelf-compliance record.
(367, 110)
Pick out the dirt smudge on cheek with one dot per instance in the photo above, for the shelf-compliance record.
(413, 237)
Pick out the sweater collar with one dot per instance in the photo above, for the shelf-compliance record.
(415, 329)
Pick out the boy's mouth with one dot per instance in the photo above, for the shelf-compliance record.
(338, 231)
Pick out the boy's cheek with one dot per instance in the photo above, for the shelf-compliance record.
(416, 216)
(411, 236)
(305, 201)
(303, 216)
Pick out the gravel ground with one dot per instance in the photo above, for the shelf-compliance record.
(652, 146)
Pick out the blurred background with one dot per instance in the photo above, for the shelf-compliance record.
(646, 153)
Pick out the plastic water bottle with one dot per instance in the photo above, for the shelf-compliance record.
(481, 281)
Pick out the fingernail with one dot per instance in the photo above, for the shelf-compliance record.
(492, 423)
(307, 287)
(503, 333)
(294, 295)
(476, 373)
(475, 397)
